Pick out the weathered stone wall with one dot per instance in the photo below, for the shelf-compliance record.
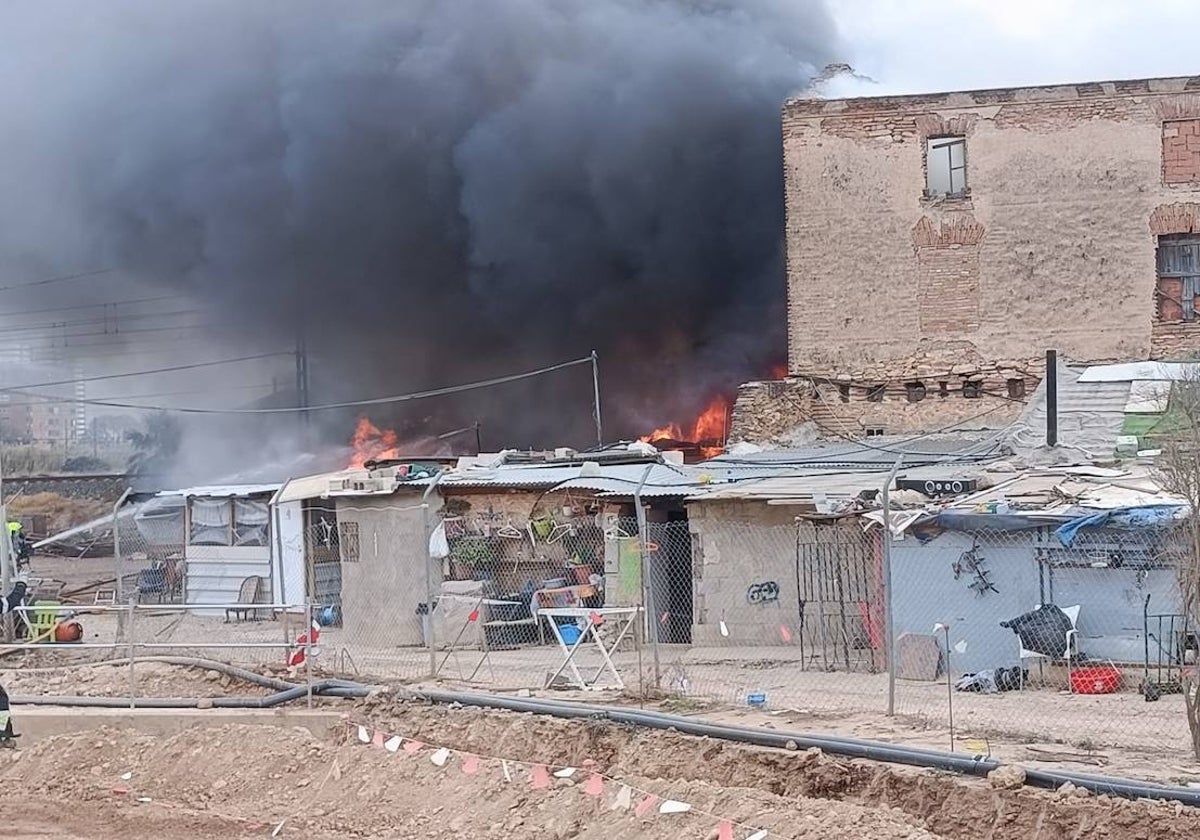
(904, 397)
(1053, 244)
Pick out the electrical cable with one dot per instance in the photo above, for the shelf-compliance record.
(112, 303)
(193, 366)
(60, 279)
(114, 319)
(417, 395)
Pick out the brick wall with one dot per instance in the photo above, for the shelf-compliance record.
(1181, 151)
(917, 395)
(1063, 184)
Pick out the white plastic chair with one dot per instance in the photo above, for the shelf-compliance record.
(1070, 645)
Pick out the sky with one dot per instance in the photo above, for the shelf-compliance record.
(921, 46)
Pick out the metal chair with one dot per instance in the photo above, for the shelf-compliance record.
(248, 594)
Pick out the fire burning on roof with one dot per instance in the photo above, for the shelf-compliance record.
(707, 433)
(370, 443)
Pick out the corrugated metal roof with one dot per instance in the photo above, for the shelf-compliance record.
(1090, 415)
(664, 479)
(868, 454)
(224, 490)
(1130, 371)
(841, 485)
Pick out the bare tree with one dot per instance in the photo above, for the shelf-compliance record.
(1178, 468)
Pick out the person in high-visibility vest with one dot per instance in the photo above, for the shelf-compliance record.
(9, 602)
(22, 549)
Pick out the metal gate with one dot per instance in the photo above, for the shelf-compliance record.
(841, 617)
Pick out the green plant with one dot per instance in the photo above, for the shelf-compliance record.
(471, 550)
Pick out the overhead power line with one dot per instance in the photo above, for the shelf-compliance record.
(113, 303)
(113, 320)
(397, 398)
(62, 279)
(23, 389)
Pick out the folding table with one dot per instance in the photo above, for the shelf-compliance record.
(623, 618)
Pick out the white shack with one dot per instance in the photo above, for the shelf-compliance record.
(227, 538)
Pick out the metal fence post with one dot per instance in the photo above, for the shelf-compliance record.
(647, 577)
(129, 623)
(118, 560)
(308, 634)
(889, 618)
(430, 594)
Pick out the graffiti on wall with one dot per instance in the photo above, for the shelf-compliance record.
(763, 593)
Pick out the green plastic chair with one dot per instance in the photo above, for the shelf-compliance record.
(45, 617)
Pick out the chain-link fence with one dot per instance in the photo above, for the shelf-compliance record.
(1073, 639)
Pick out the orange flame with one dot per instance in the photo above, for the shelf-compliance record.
(370, 443)
(779, 371)
(708, 430)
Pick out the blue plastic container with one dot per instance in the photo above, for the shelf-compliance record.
(570, 633)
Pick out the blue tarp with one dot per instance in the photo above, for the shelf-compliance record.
(961, 520)
(1146, 516)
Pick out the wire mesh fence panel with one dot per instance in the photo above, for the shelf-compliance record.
(1043, 636)
(781, 612)
(517, 589)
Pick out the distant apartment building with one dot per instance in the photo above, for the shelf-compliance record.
(938, 244)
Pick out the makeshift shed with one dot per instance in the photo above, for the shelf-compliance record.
(226, 539)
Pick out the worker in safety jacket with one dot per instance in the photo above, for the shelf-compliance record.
(22, 549)
(9, 602)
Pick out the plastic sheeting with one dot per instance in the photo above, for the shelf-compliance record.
(1147, 516)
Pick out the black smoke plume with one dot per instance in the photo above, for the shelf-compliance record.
(445, 190)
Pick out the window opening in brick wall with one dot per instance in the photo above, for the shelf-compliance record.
(874, 431)
(1016, 389)
(946, 167)
(844, 393)
(1178, 276)
(972, 389)
(875, 393)
(915, 391)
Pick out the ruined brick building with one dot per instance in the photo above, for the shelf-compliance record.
(938, 244)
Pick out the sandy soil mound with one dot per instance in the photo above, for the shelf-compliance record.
(243, 780)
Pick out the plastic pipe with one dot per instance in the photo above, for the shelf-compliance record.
(851, 747)
(325, 688)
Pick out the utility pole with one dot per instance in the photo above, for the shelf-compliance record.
(596, 399)
(6, 576)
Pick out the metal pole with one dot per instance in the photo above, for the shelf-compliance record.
(308, 635)
(132, 674)
(1051, 398)
(430, 594)
(118, 562)
(647, 578)
(889, 618)
(949, 683)
(596, 398)
(6, 576)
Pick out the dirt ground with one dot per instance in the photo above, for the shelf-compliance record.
(243, 781)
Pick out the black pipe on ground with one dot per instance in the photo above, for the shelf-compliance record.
(324, 688)
(850, 747)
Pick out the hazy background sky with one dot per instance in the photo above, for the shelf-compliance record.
(912, 46)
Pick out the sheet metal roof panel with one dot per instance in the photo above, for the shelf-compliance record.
(878, 451)
(1131, 371)
(220, 491)
(610, 478)
(837, 485)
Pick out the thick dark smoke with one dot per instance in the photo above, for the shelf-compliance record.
(450, 189)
